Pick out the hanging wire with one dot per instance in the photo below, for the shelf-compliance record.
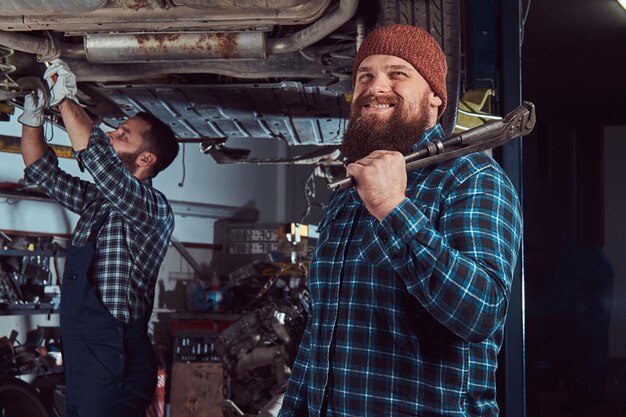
(48, 122)
(182, 181)
(524, 22)
(309, 193)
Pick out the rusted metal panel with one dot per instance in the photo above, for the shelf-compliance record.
(161, 47)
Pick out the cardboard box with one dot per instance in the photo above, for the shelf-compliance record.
(197, 390)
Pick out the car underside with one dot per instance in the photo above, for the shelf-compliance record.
(215, 70)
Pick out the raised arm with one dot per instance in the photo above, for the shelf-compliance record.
(77, 124)
(41, 162)
(33, 144)
(459, 268)
(63, 90)
(135, 199)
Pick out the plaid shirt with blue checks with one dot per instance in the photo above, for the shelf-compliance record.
(135, 236)
(407, 314)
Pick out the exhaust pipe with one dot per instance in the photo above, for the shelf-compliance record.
(316, 32)
(162, 47)
(46, 49)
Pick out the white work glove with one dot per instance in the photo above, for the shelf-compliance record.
(63, 85)
(34, 104)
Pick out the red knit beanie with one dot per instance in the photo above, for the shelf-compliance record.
(416, 47)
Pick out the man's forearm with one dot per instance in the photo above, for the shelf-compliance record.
(77, 123)
(33, 144)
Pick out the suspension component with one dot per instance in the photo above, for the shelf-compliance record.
(8, 88)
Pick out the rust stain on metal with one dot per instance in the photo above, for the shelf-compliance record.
(156, 43)
(200, 44)
(224, 44)
(227, 44)
(203, 43)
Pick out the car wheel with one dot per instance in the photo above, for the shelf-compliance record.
(441, 18)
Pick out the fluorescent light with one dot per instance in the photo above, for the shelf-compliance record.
(622, 3)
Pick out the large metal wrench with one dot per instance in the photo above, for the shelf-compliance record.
(492, 134)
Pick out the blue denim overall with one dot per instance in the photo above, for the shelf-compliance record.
(110, 368)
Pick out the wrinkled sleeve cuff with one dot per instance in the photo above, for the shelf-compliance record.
(41, 170)
(388, 239)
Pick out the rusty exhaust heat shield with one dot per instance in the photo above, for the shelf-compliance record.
(492, 134)
(162, 47)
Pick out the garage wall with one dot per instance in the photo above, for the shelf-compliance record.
(275, 191)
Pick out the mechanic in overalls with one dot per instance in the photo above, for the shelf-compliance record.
(116, 249)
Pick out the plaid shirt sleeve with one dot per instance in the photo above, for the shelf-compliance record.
(462, 271)
(295, 400)
(142, 207)
(72, 192)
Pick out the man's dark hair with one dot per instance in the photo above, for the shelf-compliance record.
(160, 140)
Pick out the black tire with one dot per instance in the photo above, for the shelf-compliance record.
(18, 399)
(442, 19)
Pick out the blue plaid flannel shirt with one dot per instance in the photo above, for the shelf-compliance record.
(135, 236)
(407, 314)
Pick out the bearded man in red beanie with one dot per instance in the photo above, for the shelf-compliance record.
(412, 273)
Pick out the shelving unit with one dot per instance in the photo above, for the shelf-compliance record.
(26, 308)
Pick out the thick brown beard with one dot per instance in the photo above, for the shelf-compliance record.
(365, 135)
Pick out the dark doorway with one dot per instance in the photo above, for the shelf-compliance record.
(573, 70)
